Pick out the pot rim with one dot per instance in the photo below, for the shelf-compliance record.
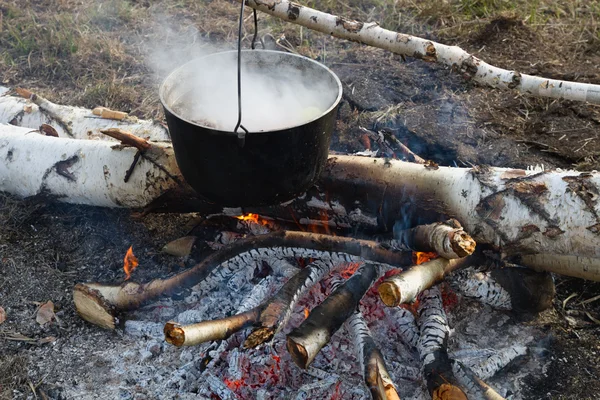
(335, 103)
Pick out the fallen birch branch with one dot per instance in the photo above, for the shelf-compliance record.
(407, 45)
(100, 303)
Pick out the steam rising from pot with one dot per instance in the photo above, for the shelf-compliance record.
(273, 96)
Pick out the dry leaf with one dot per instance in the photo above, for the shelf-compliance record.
(45, 313)
(181, 247)
(2, 315)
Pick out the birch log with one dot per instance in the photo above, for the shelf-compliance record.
(521, 212)
(83, 171)
(407, 45)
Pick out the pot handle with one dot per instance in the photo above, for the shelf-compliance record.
(241, 139)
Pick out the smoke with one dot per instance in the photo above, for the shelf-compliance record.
(275, 94)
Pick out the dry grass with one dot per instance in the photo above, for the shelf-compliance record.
(101, 53)
(13, 374)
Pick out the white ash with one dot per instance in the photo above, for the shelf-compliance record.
(478, 336)
(481, 286)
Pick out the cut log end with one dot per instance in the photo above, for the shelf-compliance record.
(447, 391)
(93, 307)
(258, 337)
(462, 243)
(297, 352)
(390, 294)
(174, 334)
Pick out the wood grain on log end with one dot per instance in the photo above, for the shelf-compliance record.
(298, 352)
(462, 243)
(447, 391)
(258, 337)
(174, 334)
(390, 294)
(93, 307)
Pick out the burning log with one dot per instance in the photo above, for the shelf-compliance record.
(206, 331)
(276, 312)
(406, 286)
(433, 350)
(268, 317)
(305, 341)
(474, 387)
(447, 239)
(99, 303)
(407, 45)
(371, 360)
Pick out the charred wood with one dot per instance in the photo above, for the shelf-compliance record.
(305, 341)
(433, 347)
(373, 365)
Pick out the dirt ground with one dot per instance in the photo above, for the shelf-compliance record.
(114, 53)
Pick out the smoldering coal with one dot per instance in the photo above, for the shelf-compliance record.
(274, 96)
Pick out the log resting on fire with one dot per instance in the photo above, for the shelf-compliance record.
(447, 239)
(474, 387)
(373, 365)
(555, 213)
(206, 331)
(406, 286)
(433, 347)
(267, 318)
(307, 340)
(99, 303)
(412, 46)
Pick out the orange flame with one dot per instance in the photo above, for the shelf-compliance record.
(130, 262)
(252, 218)
(306, 313)
(420, 257)
(350, 270)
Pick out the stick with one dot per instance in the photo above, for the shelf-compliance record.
(406, 286)
(447, 239)
(433, 350)
(412, 46)
(206, 331)
(100, 303)
(269, 316)
(104, 112)
(127, 138)
(474, 387)
(371, 360)
(305, 341)
(275, 313)
(580, 267)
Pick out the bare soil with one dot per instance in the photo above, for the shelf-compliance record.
(105, 54)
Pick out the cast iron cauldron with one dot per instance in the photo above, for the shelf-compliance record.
(267, 167)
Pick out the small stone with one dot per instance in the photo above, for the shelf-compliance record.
(145, 355)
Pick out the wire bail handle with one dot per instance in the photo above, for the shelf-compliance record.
(241, 135)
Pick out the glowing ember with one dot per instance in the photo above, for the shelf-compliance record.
(130, 262)
(350, 270)
(306, 313)
(252, 218)
(421, 257)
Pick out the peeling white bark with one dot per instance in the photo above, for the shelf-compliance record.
(81, 122)
(82, 171)
(453, 56)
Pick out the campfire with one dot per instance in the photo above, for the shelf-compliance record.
(385, 279)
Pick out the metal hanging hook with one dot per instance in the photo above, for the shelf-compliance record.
(242, 135)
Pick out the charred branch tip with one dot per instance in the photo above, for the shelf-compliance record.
(447, 391)
(174, 334)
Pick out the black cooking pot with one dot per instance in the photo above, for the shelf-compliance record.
(289, 109)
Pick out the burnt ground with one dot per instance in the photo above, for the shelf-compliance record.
(99, 55)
